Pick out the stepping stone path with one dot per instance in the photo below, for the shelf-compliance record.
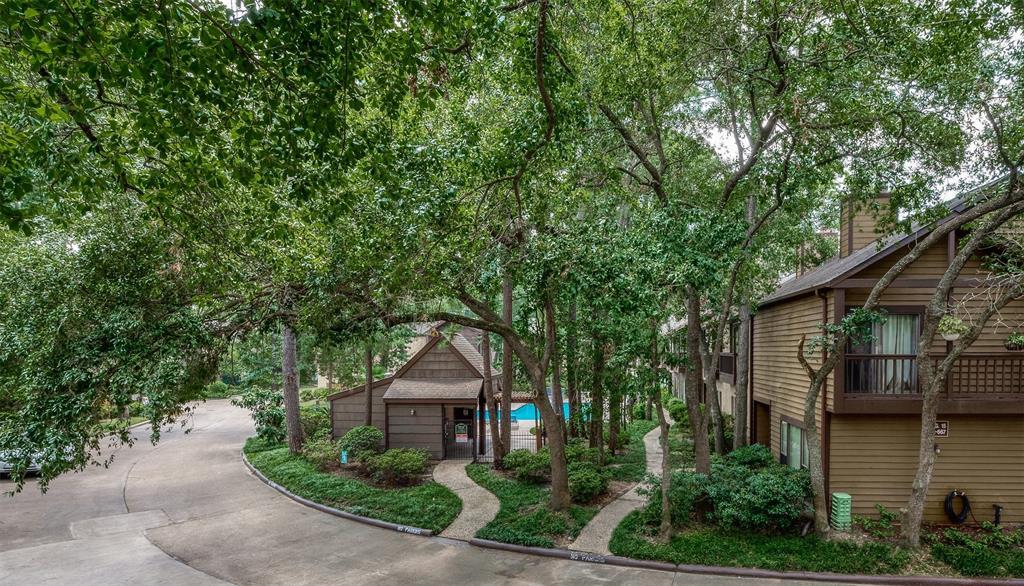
(479, 505)
(595, 535)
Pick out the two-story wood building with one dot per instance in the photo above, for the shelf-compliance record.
(870, 417)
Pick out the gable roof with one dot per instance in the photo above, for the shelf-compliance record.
(835, 270)
(467, 389)
(462, 348)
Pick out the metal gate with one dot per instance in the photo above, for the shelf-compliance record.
(459, 442)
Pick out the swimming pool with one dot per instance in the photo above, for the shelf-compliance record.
(528, 412)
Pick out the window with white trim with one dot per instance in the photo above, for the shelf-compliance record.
(792, 446)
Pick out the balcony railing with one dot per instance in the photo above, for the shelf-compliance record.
(973, 376)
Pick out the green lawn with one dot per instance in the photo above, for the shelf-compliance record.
(524, 517)
(428, 506)
(715, 547)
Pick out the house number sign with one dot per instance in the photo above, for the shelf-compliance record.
(461, 433)
(941, 429)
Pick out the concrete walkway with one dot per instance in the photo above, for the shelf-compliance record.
(595, 536)
(479, 506)
(187, 512)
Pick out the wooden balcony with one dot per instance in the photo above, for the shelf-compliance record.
(890, 383)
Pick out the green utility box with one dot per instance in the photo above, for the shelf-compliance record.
(842, 505)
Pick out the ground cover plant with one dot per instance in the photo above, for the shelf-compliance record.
(523, 517)
(428, 505)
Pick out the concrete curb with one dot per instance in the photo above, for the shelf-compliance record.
(331, 510)
(613, 560)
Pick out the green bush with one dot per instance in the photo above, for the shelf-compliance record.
(315, 420)
(578, 450)
(313, 393)
(677, 411)
(217, 390)
(266, 408)
(365, 438)
(752, 456)
(995, 551)
(686, 490)
(770, 498)
(586, 482)
(397, 466)
(883, 527)
(527, 465)
(640, 410)
(321, 451)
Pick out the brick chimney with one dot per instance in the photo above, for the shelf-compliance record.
(857, 229)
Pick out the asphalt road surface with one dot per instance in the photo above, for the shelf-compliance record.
(187, 511)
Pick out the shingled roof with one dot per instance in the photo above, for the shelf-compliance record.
(413, 389)
(837, 269)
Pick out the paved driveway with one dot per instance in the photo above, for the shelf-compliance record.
(187, 512)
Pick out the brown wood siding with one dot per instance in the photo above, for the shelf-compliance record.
(778, 379)
(348, 412)
(931, 264)
(439, 362)
(968, 303)
(422, 430)
(874, 458)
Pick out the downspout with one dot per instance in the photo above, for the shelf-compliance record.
(826, 420)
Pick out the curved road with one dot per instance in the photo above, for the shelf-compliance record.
(186, 511)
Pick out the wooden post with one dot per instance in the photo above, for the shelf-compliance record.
(539, 427)
(482, 427)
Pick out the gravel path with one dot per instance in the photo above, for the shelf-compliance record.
(479, 506)
(595, 536)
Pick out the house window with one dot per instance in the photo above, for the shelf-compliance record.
(885, 363)
(793, 446)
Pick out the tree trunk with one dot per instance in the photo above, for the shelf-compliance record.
(497, 443)
(933, 378)
(571, 374)
(614, 418)
(698, 421)
(665, 530)
(552, 417)
(742, 379)
(597, 401)
(815, 462)
(368, 388)
(507, 373)
(649, 407)
(289, 358)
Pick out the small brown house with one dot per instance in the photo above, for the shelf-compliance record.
(434, 402)
(870, 417)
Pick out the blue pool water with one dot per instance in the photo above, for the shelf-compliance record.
(529, 412)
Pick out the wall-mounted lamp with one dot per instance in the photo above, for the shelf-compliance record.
(412, 412)
(938, 449)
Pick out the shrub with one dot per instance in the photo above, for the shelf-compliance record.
(770, 498)
(315, 420)
(883, 527)
(585, 482)
(267, 412)
(313, 393)
(321, 451)
(677, 411)
(578, 450)
(752, 456)
(527, 465)
(397, 466)
(365, 438)
(217, 390)
(687, 489)
(640, 410)
(992, 552)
